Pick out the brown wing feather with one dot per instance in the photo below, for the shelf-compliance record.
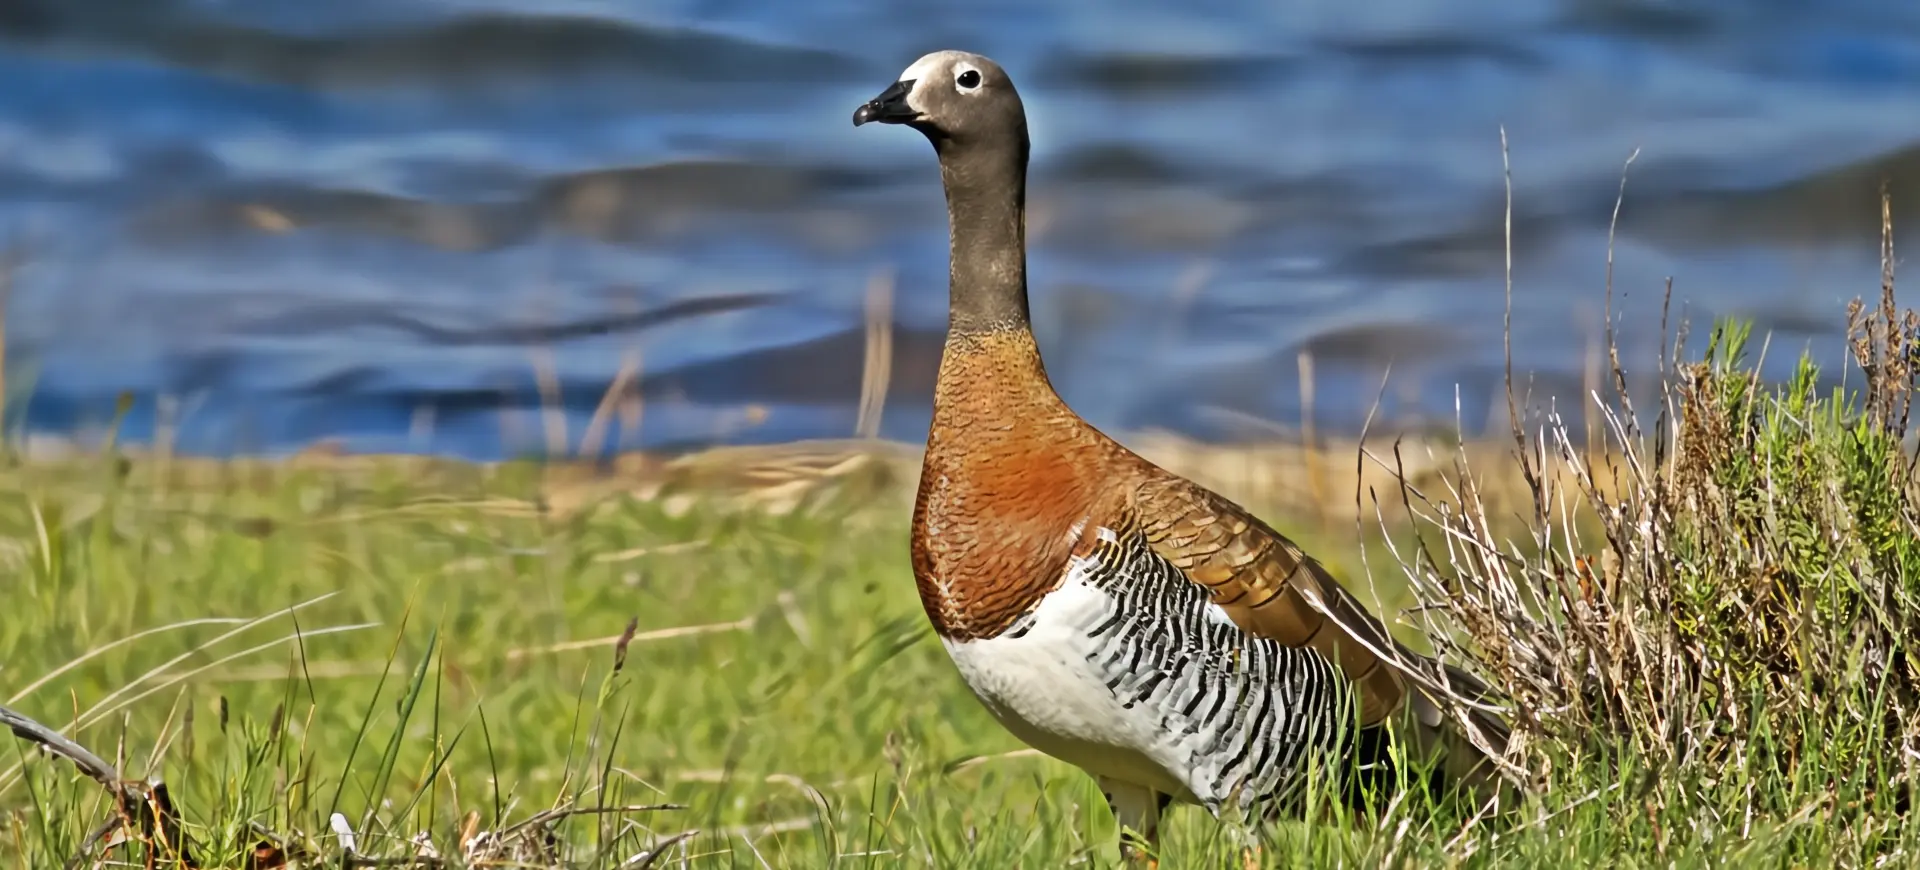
(1270, 587)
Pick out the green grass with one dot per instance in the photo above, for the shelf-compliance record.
(401, 643)
(385, 645)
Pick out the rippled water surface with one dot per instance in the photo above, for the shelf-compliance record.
(401, 223)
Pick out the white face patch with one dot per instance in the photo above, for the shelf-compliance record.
(967, 78)
(940, 69)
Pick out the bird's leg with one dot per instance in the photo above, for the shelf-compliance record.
(1242, 827)
(1136, 809)
(1246, 833)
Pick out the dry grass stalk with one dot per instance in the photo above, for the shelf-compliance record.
(6, 296)
(143, 811)
(1309, 443)
(1738, 590)
(145, 817)
(553, 413)
(620, 394)
(877, 371)
(621, 640)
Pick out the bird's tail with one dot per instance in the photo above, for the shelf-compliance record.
(1462, 754)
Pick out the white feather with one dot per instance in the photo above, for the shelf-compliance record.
(1043, 688)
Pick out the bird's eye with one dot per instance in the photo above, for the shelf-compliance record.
(968, 80)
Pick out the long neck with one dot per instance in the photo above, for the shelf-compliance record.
(987, 217)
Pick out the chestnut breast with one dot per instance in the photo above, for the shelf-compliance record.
(1010, 475)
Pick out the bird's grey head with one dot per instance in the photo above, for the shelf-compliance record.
(953, 97)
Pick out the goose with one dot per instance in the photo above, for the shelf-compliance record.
(1105, 611)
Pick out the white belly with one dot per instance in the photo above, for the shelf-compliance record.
(1045, 688)
(1136, 676)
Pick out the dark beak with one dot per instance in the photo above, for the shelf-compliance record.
(888, 108)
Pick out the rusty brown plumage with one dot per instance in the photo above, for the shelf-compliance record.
(1269, 586)
(1008, 472)
(1012, 475)
(1015, 486)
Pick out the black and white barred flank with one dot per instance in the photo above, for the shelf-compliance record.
(1247, 714)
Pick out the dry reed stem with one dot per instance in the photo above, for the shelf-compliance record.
(420, 426)
(593, 439)
(6, 297)
(876, 370)
(1186, 291)
(633, 553)
(1316, 477)
(553, 414)
(1612, 342)
(617, 639)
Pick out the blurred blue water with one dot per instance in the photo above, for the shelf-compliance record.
(274, 222)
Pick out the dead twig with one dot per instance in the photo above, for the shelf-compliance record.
(144, 808)
(645, 859)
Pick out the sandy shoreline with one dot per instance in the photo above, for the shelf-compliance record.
(1320, 482)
